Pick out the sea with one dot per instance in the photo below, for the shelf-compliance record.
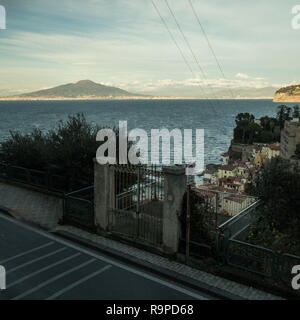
(216, 117)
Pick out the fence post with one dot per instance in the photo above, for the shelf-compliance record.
(174, 189)
(104, 195)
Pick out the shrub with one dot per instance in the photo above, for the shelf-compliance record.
(67, 150)
(278, 185)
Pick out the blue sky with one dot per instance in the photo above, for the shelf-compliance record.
(123, 43)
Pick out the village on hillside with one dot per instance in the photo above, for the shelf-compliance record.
(229, 186)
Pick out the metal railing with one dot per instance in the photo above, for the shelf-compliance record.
(41, 179)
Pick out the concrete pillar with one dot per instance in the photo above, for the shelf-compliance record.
(174, 189)
(104, 195)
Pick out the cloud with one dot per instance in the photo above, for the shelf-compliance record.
(124, 42)
(242, 76)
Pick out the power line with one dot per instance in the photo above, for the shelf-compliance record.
(176, 44)
(210, 45)
(187, 42)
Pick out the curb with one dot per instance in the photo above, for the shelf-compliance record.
(219, 294)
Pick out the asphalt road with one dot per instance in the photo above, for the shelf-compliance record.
(42, 266)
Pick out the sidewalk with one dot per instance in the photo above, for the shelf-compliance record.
(45, 211)
(231, 288)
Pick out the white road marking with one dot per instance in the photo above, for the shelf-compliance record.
(42, 270)
(26, 252)
(77, 283)
(107, 260)
(44, 284)
(35, 260)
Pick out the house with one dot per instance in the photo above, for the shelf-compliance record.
(233, 183)
(225, 158)
(233, 204)
(260, 155)
(273, 150)
(226, 171)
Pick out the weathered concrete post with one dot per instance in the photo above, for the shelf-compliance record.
(104, 195)
(174, 189)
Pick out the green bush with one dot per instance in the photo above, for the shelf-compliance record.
(278, 186)
(67, 150)
(201, 219)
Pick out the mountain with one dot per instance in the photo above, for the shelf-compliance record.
(215, 93)
(84, 89)
(288, 94)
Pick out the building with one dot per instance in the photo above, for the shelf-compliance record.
(226, 171)
(234, 204)
(225, 158)
(290, 138)
(259, 155)
(273, 150)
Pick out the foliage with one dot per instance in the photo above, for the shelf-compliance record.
(264, 233)
(68, 149)
(250, 189)
(201, 223)
(296, 113)
(297, 152)
(283, 114)
(278, 185)
(248, 132)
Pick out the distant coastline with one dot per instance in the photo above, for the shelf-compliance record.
(123, 98)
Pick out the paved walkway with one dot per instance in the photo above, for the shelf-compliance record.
(231, 287)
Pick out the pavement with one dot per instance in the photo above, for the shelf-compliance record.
(216, 286)
(44, 211)
(42, 266)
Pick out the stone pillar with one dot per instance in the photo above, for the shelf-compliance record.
(174, 189)
(104, 195)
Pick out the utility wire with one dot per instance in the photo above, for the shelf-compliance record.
(187, 43)
(210, 46)
(176, 44)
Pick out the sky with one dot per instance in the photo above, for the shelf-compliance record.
(125, 44)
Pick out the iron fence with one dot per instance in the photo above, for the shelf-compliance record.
(138, 204)
(45, 180)
(214, 211)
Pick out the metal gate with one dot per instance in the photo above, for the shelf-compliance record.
(138, 204)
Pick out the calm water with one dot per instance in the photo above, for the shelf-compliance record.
(216, 117)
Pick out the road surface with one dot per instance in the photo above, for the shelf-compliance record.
(40, 265)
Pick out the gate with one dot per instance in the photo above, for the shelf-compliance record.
(138, 204)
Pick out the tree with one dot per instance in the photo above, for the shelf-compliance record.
(243, 122)
(201, 215)
(297, 152)
(67, 150)
(296, 113)
(278, 186)
(283, 114)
